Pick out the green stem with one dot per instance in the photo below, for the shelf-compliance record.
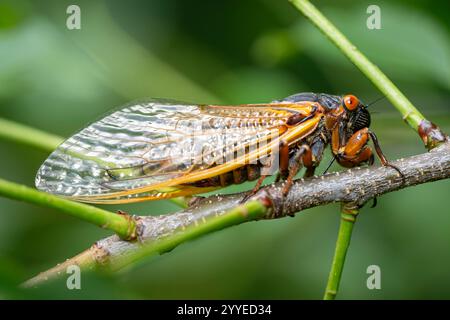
(16, 132)
(182, 202)
(114, 260)
(123, 225)
(348, 217)
(252, 210)
(410, 114)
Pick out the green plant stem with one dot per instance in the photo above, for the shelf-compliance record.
(349, 212)
(410, 114)
(123, 225)
(115, 259)
(182, 202)
(252, 210)
(16, 132)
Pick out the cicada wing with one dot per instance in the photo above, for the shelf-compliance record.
(148, 150)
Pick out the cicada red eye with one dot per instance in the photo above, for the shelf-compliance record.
(351, 102)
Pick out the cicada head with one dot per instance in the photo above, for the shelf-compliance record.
(359, 116)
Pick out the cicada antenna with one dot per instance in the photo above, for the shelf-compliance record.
(375, 101)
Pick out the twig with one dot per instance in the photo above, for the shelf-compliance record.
(352, 186)
(123, 225)
(430, 136)
(349, 212)
(156, 235)
(16, 132)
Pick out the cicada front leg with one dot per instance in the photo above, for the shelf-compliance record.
(356, 151)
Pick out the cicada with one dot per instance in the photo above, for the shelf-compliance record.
(159, 149)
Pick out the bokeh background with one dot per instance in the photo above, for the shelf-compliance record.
(58, 80)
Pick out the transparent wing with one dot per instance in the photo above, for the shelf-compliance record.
(156, 143)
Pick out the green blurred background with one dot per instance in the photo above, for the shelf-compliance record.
(58, 80)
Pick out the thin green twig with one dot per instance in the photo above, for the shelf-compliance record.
(182, 202)
(410, 114)
(123, 225)
(123, 255)
(348, 217)
(22, 134)
(252, 210)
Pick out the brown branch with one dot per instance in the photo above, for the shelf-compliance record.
(159, 234)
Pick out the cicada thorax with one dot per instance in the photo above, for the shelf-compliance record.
(327, 101)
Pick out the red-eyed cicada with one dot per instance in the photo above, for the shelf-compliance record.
(159, 149)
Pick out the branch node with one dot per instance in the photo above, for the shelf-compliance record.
(431, 135)
(131, 229)
(100, 254)
(267, 200)
(349, 211)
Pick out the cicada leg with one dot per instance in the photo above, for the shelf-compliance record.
(317, 148)
(303, 156)
(380, 154)
(282, 172)
(306, 156)
(356, 152)
(255, 189)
